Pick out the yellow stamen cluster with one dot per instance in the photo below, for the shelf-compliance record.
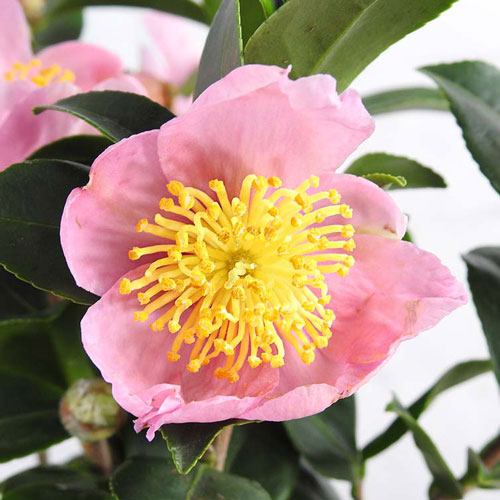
(236, 278)
(34, 72)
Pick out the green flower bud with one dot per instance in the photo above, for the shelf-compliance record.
(89, 412)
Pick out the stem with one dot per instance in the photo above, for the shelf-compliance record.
(221, 446)
(42, 458)
(100, 453)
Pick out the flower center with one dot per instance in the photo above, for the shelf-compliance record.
(239, 278)
(34, 72)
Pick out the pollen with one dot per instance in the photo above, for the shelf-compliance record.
(239, 280)
(40, 76)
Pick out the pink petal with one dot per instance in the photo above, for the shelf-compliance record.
(288, 128)
(180, 43)
(22, 133)
(12, 93)
(15, 39)
(99, 220)
(122, 83)
(89, 63)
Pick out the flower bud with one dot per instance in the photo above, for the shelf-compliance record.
(89, 412)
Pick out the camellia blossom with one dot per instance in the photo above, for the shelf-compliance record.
(170, 63)
(240, 276)
(54, 73)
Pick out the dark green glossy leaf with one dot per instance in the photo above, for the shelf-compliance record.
(456, 375)
(311, 486)
(185, 8)
(33, 195)
(223, 48)
(29, 418)
(327, 440)
(339, 37)
(266, 456)
(61, 29)
(116, 115)
(53, 483)
(406, 99)
(83, 149)
(146, 478)
(473, 90)
(188, 442)
(443, 477)
(252, 14)
(483, 267)
(415, 174)
(209, 484)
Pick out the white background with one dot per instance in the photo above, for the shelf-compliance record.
(447, 222)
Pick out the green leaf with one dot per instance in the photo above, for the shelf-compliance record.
(311, 486)
(478, 475)
(116, 115)
(386, 181)
(375, 165)
(83, 149)
(473, 90)
(253, 14)
(29, 418)
(53, 483)
(406, 99)
(328, 442)
(188, 442)
(209, 484)
(33, 195)
(266, 456)
(339, 37)
(483, 272)
(456, 375)
(61, 29)
(223, 48)
(185, 8)
(443, 477)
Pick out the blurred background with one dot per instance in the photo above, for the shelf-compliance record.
(446, 222)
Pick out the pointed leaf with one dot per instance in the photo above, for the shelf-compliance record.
(339, 37)
(473, 90)
(33, 195)
(312, 486)
(415, 174)
(116, 115)
(483, 272)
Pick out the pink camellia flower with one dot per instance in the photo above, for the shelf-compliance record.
(240, 276)
(54, 73)
(173, 58)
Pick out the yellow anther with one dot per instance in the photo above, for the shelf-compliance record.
(141, 316)
(125, 286)
(166, 204)
(238, 292)
(343, 271)
(260, 183)
(224, 236)
(302, 199)
(283, 250)
(173, 356)
(214, 210)
(266, 357)
(329, 315)
(347, 231)
(314, 181)
(274, 181)
(314, 235)
(194, 366)
(273, 211)
(232, 377)
(157, 326)
(320, 342)
(299, 281)
(254, 361)
(167, 283)
(325, 300)
(309, 306)
(238, 207)
(175, 254)
(277, 361)
(134, 254)
(220, 373)
(307, 356)
(349, 245)
(175, 187)
(345, 211)
(297, 262)
(319, 217)
(216, 185)
(186, 200)
(334, 196)
(198, 279)
(349, 261)
(141, 225)
(207, 266)
(297, 220)
(143, 299)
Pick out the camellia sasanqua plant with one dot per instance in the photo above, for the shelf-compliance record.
(195, 287)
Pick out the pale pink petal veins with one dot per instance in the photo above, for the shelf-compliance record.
(15, 39)
(89, 63)
(22, 132)
(267, 132)
(99, 220)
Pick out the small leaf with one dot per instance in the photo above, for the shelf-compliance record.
(338, 37)
(327, 440)
(185, 8)
(33, 195)
(415, 174)
(454, 376)
(483, 272)
(473, 90)
(209, 484)
(386, 181)
(478, 475)
(61, 29)
(443, 478)
(311, 486)
(83, 149)
(116, 115)
(406, 99)
(188, 442)
(266, 456)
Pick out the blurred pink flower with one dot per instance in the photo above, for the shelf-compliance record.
(236, 278)
(170, 63)
(54, 73)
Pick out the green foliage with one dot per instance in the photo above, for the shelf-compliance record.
(339, 37)
(33, 195)
(311, 486)
(483, 266)
(397, 171)
(116, 115)
(60, 29)
(473, 91)
(479, 475)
